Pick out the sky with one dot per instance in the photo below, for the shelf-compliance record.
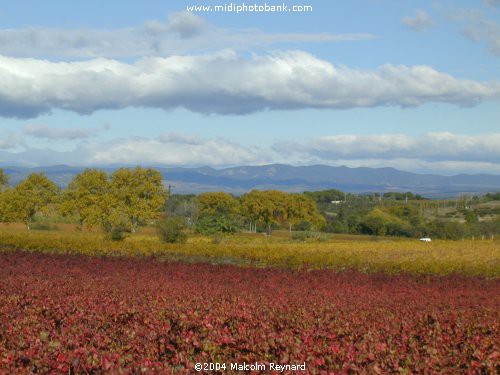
(413, 85)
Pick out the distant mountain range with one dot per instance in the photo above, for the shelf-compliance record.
(238, 180)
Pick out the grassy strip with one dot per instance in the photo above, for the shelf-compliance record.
(474, 258)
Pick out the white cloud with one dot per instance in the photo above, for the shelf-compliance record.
(485, 31)
(418, 165)
(428, 148)
(10, 141)
(493, 3)
(442, 153)
(184, 32)
(47, 132)
(478, 27)
(420, 21)
(224, 83)
(175, 150)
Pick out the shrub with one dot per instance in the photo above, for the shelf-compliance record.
(116, 233)
(43, 226)
(300, 236)
(216, 223)
(171, 230)
(303, 226)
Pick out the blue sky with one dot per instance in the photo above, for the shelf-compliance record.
(413, 85)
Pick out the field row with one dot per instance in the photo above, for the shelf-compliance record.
(79, 314)
(475, 258)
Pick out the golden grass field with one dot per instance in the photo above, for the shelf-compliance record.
(337, 252)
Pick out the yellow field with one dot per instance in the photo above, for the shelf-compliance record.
(335, 252)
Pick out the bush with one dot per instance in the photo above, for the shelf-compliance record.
(303, 226)
(448, 230)
(116, 233)
(300, 236)
(43, 226)
(217, 223)
(171, 230)
(304, 236)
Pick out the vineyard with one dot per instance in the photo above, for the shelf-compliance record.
(76, 314)
(339, 253)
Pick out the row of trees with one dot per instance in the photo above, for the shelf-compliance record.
(258, 210)
(361, 214)
(129, 198)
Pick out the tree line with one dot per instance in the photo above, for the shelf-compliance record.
(130, 198)
(408, 215)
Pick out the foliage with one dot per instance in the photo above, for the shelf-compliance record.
(172, 230)
(129, 198)
(449, 230)
(492, 196)
(31, 196)
(274, 207)
(140, 194)
(217, 203)
(183, 205)
(4, 180)
(303, 226)
(381, 223)
(88, 196)
(43, 226)
(366, 254)
(398, 196)
(470, 217)
(328, 196)
(116, 233)
(209, 224)
(131, 316)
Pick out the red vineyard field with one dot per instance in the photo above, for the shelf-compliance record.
(68, 314)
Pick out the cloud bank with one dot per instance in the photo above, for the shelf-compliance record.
(443, 152)
(431, 147)
(183, 32)
(224, 83)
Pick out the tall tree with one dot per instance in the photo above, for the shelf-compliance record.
(264, 207)
(301, 208)
(88, 196)
(140, 194)
(32, 196)
(217, 213)
(217, 203)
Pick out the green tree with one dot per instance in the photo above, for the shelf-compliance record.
(301, 209)
(7, 210)
(4, 180)
(274, 207)
(88, 196)
(471, 217)
(32, 196)
(217, 213)
(259, 209)
(217, 203)
(216, 223)
(139, 194)
(171, 230)
(381, 223)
